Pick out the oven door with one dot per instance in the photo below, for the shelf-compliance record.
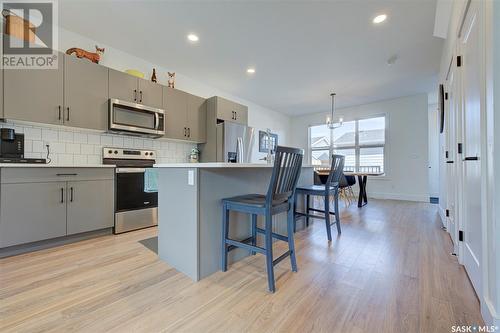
(130, 191)
(133, 118)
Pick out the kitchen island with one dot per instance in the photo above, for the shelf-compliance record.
(190, 211)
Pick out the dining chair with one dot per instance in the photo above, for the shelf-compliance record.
(279, 199)
(331, 187)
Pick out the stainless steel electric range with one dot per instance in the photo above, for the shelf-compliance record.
(135, 206)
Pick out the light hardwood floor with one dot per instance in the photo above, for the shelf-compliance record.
(390, 271)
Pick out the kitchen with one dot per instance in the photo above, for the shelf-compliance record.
(147, 178)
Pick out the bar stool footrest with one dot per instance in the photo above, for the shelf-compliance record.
(281, 257)
(275, 235)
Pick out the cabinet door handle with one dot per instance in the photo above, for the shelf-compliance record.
(471, 158)
(184, 131)
(189, 132)
(140, 98)
(59, 112)
(66, 174)
(67, 116)
(71, 194)
(62, 195)
(235, 115)
(135, 95)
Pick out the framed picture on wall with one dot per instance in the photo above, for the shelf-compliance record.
(266, 142)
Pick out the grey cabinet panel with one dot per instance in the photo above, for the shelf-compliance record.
(90, 205)
(32, 212)
(1, 94)
(175, 106)
(197, 119)
(123, 86)
(34, 94)
(85, 94)
(230, 111)
(150, 93)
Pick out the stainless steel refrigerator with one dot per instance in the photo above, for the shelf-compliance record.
(233, 143)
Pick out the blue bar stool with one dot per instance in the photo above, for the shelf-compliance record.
(279, 198)
(331, 187)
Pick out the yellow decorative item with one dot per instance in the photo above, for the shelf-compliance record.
(135, 72)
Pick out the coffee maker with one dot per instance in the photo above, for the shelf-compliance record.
(12, 148)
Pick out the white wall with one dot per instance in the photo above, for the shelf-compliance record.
(258, 116)
(406, 145)
(433, 119)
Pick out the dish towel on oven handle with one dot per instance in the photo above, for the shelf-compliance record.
(151, 180)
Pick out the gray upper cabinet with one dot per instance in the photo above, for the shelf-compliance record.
(34, 94)
(85, 94)
(90, 205)
(185, 115)
(130, 88)
(123, 86)
(229, 111)
(150, 93)
(32, 212)
(175, 106)
(197, 118)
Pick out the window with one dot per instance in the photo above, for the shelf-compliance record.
(362, 142)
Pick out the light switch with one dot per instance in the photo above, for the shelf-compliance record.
(191, 177)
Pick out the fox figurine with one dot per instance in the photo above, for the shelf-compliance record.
(80, 53)
(171, 80)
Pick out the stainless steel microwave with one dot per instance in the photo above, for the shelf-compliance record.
(135, 119)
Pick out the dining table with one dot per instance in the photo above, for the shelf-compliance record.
(362, 180)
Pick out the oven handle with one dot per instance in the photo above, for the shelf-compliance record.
(130, 170)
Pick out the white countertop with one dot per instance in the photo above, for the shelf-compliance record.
(40, 165)
(218, 165)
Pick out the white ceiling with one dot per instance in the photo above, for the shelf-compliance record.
(301, 50)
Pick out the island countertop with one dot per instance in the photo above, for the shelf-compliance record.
(218, 165)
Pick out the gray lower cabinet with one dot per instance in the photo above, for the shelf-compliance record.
(34, 94)
(90, 205)
(31, 212)
(43, 203)
(85, 94)
(132, 89)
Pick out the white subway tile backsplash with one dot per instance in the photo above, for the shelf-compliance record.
(49, 135)
(73, 148)
(38, 147)
(80, 147)
(65, 136)
(80, 137)
(94, 139)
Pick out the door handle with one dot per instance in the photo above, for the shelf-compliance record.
(184, 131)
(471, 158)
(157, 121)
(66, 174)
(135, 95)
(140, 98)
(67, 116)
(59, 112)
(189, 132)
(62, 195)
(449, 162)
(71, 194)
(235, 115)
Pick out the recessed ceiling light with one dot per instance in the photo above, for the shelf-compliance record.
(379, 19)
(193, 38)
(251, 70)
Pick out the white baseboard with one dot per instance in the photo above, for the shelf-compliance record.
(398, 196)
(490, 317)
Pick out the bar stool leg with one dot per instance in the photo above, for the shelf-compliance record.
(291, 244)
(308, 206)
(225, 232)
(254, 232)
(327, 217)
(337, 213)
(269, 252)
(294, 211)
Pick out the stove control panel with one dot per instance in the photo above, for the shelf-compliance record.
(132, 154)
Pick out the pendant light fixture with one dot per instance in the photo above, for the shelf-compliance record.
(329, 119)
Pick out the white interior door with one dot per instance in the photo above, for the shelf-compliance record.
(472, 100)
(451, 161)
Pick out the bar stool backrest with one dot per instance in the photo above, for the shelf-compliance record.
(286, 173)
(336, 170)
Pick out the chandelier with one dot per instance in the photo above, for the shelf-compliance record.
(329, 119)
